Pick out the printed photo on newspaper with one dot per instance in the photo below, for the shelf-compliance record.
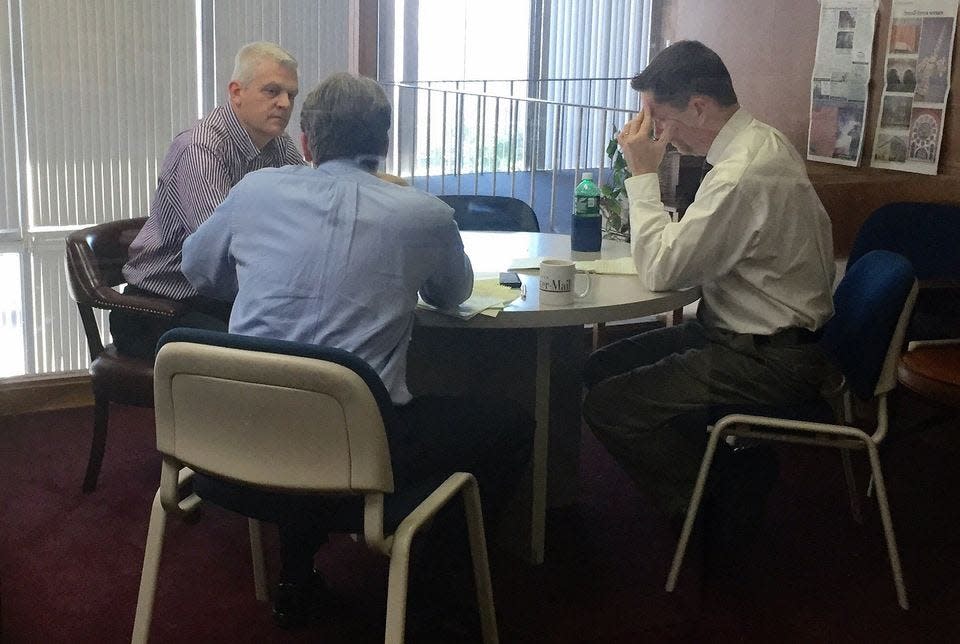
(841, 76)
(916, 84)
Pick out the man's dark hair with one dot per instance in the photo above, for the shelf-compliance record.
(682, 70)
(347, 117)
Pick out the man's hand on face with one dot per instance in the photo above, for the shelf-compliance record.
(641, 151)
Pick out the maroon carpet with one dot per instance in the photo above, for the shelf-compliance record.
(70, 563)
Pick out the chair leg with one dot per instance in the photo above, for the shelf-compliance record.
(259, 563)
(148, 577)
(101, 414)
(887, 526)
(397, 588)
(692, 509)
(855, 509)
(481, 564)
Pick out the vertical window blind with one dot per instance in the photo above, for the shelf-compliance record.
(91, 94)
(590, 39)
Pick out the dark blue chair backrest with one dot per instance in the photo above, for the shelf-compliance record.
(492, 213)
(927, 234)
(867, 305)
(287, 348)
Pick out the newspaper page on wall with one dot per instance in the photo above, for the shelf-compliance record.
(916, 84)
(841, 76)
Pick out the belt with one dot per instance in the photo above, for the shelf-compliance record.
(787, 337)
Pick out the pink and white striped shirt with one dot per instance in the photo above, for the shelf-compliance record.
(201, 166)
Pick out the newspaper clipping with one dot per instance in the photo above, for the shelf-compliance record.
(916, 84)
(841, 76)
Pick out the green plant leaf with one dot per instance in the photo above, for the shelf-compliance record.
(612, 147)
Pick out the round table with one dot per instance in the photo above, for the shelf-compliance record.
(523, 335)
(932, 369)
(611, 297)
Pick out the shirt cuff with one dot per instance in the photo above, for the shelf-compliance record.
(644, 187)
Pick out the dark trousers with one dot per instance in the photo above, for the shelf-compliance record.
(649, 397)
(136, 334)
(435, 437)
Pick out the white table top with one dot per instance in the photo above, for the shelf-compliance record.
(611, 297)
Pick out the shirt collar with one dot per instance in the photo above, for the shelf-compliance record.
(338, 166)
(734, 125)
(240, 137)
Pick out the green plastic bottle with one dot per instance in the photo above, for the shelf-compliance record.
(585, 233)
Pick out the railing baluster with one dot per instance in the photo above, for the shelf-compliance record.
(514, 140)
(476, 155)
(576, 147)
(413, 137)
(460, 122)
(443, 147)
(496, 141)
(429, 128)
(558, 122)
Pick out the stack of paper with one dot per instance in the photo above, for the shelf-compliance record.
(488, 298)
(619, 266)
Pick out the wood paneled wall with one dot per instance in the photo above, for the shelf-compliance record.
(769, 48)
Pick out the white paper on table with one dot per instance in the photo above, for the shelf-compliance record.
(488, 298)
(526, 264)
(618, 266)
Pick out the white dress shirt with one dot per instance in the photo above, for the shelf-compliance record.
(756, 237)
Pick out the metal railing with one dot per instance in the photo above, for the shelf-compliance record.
(454, 137)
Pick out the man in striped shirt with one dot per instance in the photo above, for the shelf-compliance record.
(201, 166)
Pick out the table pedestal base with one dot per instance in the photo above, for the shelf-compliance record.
(538, 368)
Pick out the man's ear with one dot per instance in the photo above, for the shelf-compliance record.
(699, 105)
(233, 89)
(305, 146)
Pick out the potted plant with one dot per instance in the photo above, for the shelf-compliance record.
(613, 200)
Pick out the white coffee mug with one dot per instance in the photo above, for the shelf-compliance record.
(557, 277)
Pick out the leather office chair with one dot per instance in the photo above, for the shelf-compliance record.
(487, 212)
(928, 235)
(95, 259)
(298, 418)
(873, 304)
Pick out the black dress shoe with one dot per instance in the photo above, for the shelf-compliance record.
(295, 604)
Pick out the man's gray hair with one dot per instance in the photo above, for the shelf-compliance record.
(252, 54)
(347, 117)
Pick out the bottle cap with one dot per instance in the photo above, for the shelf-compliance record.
(586, 175)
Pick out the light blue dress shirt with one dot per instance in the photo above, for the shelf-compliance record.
(333, 256)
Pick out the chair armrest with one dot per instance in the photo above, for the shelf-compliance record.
(107, 298)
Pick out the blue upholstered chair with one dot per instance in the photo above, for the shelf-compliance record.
(285, 417)
(488, 212)
(928, 235)
(872, 305)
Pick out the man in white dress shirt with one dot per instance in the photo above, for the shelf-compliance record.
(757, 240)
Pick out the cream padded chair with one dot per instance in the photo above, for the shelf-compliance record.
(865, 337)
(288, 417)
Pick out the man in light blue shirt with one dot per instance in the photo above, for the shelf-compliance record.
(334, 256)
